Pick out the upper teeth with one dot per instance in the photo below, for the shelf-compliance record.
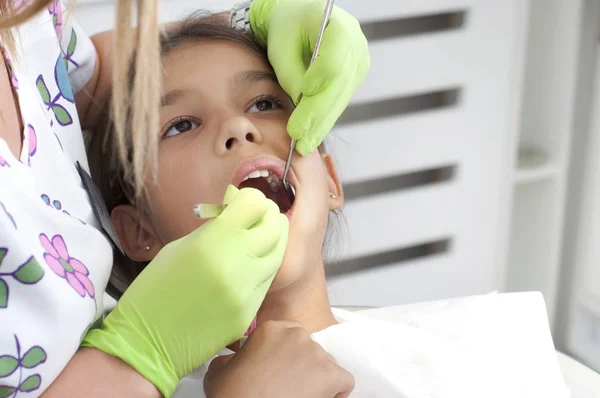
(256, 174)
(273, 179)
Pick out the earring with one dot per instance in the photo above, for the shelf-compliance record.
(332, 195)
(147, 248)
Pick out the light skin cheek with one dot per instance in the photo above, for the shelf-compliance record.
(308, 226)
(172, 209)
(314, 177)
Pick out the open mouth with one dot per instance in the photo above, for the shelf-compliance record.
(271, 185)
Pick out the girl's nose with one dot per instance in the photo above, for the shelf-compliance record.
(231, 141)
(237, 132)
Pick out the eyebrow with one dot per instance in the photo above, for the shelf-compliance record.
(172, 97)
(254, 76)
(248, 77)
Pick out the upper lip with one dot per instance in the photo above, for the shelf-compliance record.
(263, 162)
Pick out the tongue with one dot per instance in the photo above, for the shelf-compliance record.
(280, 197)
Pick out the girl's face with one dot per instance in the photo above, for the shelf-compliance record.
(224, 118)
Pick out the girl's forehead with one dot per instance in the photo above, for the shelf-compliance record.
(210, 57)
(212, 68)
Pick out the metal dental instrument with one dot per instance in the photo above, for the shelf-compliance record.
(326, 16)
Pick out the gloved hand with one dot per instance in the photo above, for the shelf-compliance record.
(290, 28)
(199, 294)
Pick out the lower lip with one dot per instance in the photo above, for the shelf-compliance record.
(289, 213)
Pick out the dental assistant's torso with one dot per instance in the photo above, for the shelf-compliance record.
(54, 262)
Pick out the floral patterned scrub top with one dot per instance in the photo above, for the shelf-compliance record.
(54, 261)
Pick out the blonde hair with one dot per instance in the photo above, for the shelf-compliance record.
(139, 102)
(10, 18)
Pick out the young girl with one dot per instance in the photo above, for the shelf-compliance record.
(55, 251)
(223, 123)
(223, 127)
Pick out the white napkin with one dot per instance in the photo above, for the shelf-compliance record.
(496, 345)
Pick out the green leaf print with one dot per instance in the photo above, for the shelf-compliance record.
(3, 294)
(3, 254)
(63, 117)
(30, 272)
(72, 44)
(33, 357)
(31, 383)
(41, 86)
(8, 365)
(6, 391)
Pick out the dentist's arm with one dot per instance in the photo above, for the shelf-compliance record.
(89, 99)
(199, 294)
(92, 373)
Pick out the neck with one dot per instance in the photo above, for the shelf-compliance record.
(305, 301)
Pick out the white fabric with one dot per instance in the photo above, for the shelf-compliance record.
(46, 220)
(484, 346)
(581, 380)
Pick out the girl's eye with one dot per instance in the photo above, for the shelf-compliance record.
(264, 105)
(181, 127)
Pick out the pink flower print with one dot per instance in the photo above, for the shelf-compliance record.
(58, 259)
(56, 11)
(3, 162)
(11, 71)
(32, 141)
(14, 81)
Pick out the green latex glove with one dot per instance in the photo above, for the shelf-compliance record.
(199, 294)
(290, 28)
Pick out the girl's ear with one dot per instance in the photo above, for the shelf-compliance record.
(336, 192)
(138, 238)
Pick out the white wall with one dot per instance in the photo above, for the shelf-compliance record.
(579, 312)
(98, 15)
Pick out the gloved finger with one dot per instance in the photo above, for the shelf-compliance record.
(264, 236)
(315, 116)
(246, 209)
(286, 55)
(230, 193)
(333, 54)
